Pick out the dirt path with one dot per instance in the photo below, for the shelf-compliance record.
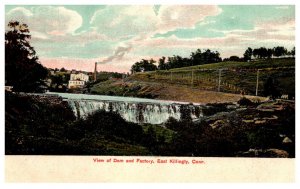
(184, 93)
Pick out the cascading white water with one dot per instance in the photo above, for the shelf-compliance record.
(135, 110)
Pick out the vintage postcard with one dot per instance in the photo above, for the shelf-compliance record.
(150, 93)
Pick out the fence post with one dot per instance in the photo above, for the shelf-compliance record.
(171, 76)
(257, 78)
(220, 70)
(192, 80)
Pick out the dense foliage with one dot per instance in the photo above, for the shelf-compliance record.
(32, 125)
(263, 52)
(196, 58)
(22, 68)
(143, 66)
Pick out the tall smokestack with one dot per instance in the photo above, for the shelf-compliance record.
(95, 72)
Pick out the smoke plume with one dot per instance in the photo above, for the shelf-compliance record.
(118, 54)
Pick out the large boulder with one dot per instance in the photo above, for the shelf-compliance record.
(287, 140)
(277, 153)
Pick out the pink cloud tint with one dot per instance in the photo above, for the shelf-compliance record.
(80, 64)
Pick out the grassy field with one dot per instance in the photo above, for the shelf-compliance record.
(265, 63)
(236, 77)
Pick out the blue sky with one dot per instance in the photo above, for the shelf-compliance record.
(76, 36)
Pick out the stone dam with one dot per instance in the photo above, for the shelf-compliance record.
(137, 110)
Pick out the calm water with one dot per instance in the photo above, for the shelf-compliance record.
(115, 98)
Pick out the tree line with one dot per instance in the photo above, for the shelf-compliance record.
(208, 56)
(262, 53)
(196, 58)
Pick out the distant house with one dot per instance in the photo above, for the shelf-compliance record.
(78, 80)
(52, 72)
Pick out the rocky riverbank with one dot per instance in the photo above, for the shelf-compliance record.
(269, 127)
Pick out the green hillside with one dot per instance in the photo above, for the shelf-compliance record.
(264, 63)
(236, 77)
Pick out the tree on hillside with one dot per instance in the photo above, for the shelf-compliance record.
(62, 69)
(136, 67)
(293, 52)
(162, 63)
(269, 53)
(256, 53)
(211, 56)
(262, 52)
(234, 58)
(248, 54)
(279, 51)
(22, 68)
(175, 61)
(150, 65)
(205, 57)
(143, 66)
(57, 82)
(196, 57)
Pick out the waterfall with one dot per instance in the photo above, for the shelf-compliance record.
(135, 110)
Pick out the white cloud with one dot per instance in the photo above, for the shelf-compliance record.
(282, 7)
(281, 29)
(128, 22)
(121, 21)
(124, 21)
(78, 38)
(234, 43)
(39, 35)
(184, 16)
(269, 34)
(47, 19)
(20, 11)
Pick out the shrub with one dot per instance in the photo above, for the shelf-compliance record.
(245, 102)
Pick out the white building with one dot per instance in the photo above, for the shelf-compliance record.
(78, 80)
